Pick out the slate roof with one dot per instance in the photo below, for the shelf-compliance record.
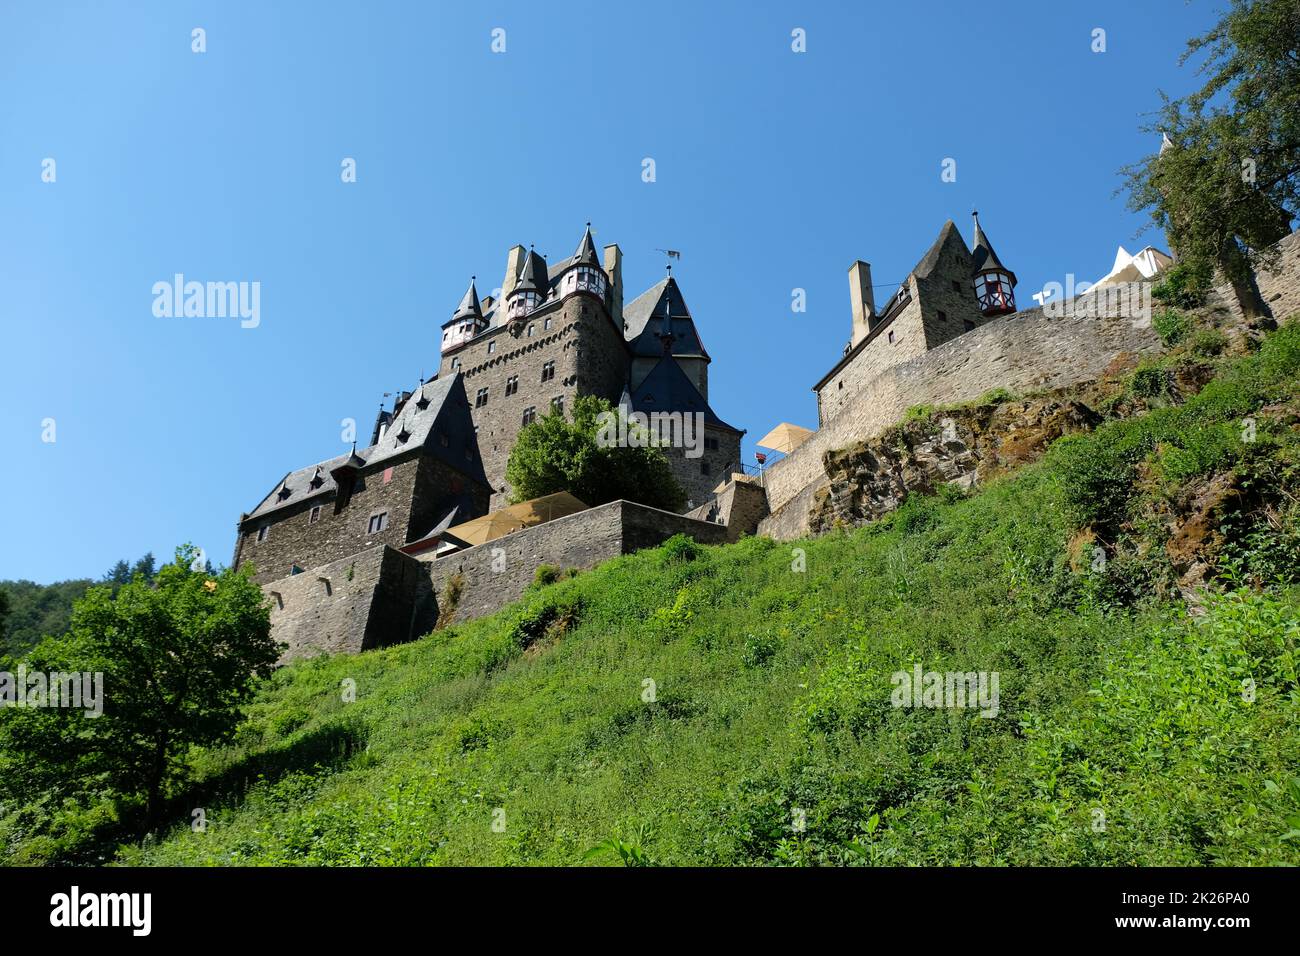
(667, 389)
(659, 308)
(437, 408)
(469, 307)
(983, 256)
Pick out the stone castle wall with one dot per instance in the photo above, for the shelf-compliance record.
(498, 572)
(1023, 352)
(1280, 288)
(370, 599)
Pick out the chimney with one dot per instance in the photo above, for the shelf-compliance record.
(614, 269)
(514, 262)
(864, 301)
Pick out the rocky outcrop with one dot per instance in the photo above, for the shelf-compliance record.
(961, 447)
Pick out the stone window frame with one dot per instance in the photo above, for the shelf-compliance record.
(548, 371)
(532, 327)
(512, 384)
(530, 415)
(546, 324)
(314, 515)
(481, 397)
(492, 346)
(263, 532)
(377, 516)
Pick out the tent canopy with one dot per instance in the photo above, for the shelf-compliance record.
(785, 438)
(523, 515)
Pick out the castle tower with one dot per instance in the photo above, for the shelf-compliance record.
(531, 289)
(583, 273)
(994, 283)
(466, 322)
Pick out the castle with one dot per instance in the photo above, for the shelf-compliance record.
(361, 550)
(438, 457)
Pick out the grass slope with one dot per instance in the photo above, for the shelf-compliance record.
(1126, 734)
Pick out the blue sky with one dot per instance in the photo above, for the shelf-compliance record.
(774, 171)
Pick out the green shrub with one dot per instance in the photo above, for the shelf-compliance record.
(546, 574)
(1172, 325)
(1184, 286)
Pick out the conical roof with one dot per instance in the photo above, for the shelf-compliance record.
(983, 258)
(469, 307)
(532, 277)
(586, 254)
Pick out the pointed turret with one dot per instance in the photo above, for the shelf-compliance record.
(466, 322)
(529, 292)
(583, 272)
(586, 254)
(469, 307)
(994, 282)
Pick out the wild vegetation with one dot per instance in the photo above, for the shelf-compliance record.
(732, 705)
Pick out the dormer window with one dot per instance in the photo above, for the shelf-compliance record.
(403, 436)
(421, 403)
(284, 492)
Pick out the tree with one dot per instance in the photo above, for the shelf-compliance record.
(145, 567)
(555, 453)
(119, 573)
(178, 660)
(1228, 186)
(4, 613)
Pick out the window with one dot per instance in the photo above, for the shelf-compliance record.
(891, 336)
(492, 347)
(943, 316)
(315, 515)
(710, 443)
(512, 384)
(378, 522)
(263, 531)
(481, 398)
(531, 328)
(548, 371)
(455, 363)
(530, 415)
(294, 569)
(547, 323)
(557, 404)
(522, 303)
(993, 291)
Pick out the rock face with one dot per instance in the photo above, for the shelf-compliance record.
(962, 447)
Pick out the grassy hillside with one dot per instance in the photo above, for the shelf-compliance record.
(1127, 731)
